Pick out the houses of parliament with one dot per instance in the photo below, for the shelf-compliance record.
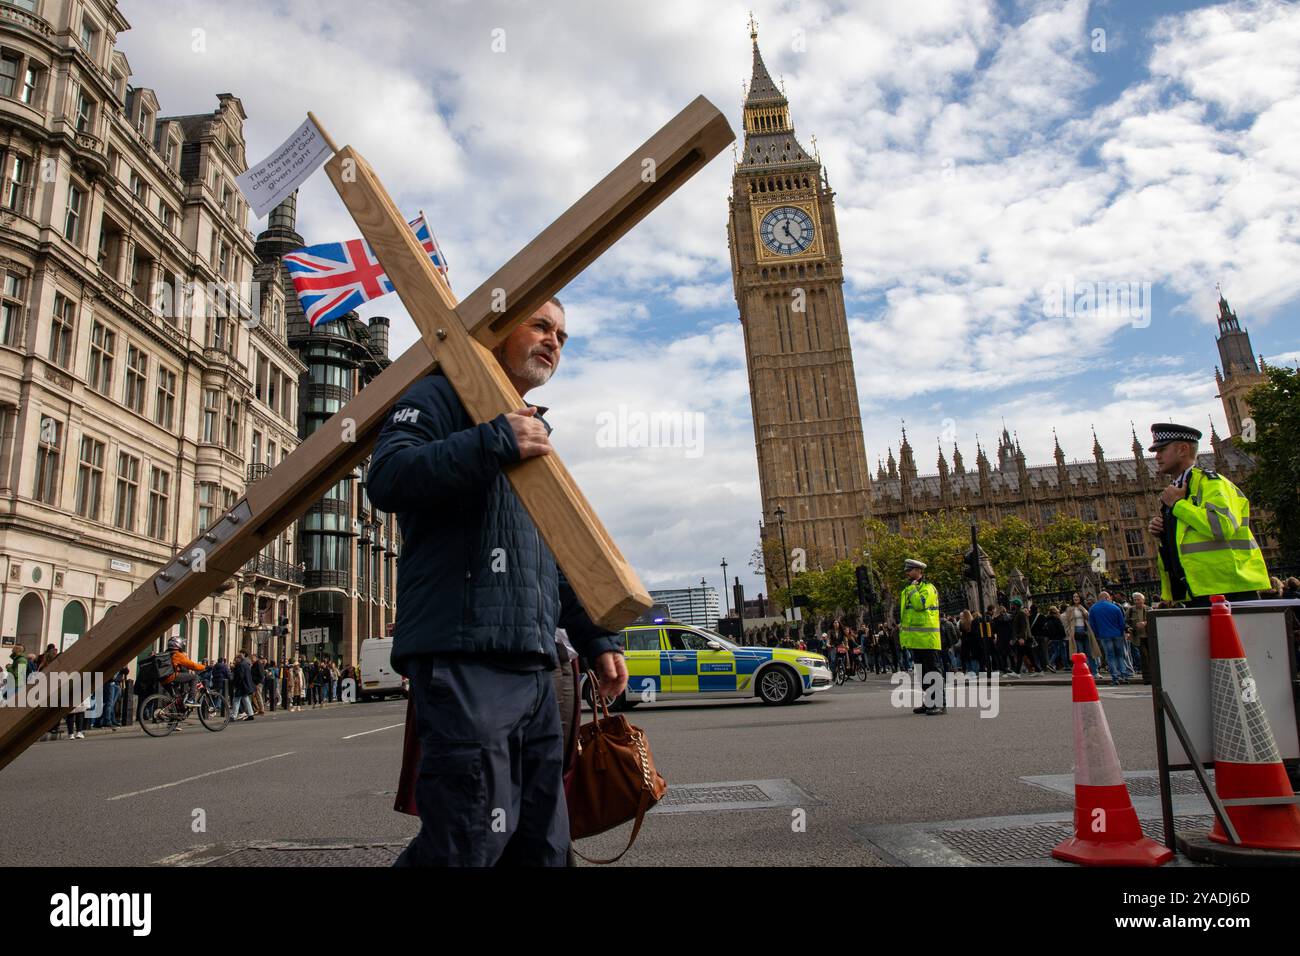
(814, 480)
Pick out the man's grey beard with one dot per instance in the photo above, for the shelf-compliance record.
(535, 372)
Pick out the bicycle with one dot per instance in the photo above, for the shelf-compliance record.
(163, 712)
(858, 671)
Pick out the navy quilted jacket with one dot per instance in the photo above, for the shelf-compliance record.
(475, 576)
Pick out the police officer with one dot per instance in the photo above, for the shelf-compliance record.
(918, 629)
(1206, 546)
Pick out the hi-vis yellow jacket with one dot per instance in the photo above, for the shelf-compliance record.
(918, 617)
(1218, 553)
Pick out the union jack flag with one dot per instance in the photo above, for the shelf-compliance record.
(333, 278)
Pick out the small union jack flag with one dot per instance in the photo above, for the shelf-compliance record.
(334, 278)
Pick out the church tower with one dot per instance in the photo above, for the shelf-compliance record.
(1240, 372)
(788, 276)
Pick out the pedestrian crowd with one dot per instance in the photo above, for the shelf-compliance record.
(1022, 637)
(253, 684)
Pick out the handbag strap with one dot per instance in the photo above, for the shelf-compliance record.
(640, 816)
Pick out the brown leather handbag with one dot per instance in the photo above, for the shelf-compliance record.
(614, 777)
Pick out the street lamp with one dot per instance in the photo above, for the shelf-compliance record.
(724, 588)
(704, 602)
(785, 554)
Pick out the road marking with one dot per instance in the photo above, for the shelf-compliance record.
(375, 731)
(177, 783)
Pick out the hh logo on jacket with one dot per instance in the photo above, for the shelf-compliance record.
(406, 415)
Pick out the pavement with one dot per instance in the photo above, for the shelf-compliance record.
(844, 777)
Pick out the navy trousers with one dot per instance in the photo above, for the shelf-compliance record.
(490, 789)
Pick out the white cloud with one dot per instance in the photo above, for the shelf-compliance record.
(970, 172)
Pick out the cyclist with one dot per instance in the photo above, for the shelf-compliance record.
(183, 669)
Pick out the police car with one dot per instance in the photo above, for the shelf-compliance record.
(670, 661)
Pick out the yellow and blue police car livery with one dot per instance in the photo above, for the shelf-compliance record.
(668, 660)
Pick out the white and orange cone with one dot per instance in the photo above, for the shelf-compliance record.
(1106, 827)
(1247, 764)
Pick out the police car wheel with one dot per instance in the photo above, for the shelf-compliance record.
(777, 686)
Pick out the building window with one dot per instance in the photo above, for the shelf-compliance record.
(257, 447)
(1088, 511)
(128, 489)
(31, 85)
(138, 187)
(9, 74)
(61, 331)
(72, 218)
(137, 365)
(168, 217)
(211, 408)
(85, 113)
(47, 461)
(1136, 541)
(12, 306)
(19, 179)
(207, 501)
(1128, 508)
(223, 260)
(1046, 514)
(165, 405)
(232, 424)
(88, 37)
(90, 478)
(159, 495)
(102, 345)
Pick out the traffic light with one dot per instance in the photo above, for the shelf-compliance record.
(866, 595)
(971, 566)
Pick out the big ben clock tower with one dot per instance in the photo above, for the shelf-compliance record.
(789, 284)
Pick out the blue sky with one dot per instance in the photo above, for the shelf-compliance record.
(982, 154)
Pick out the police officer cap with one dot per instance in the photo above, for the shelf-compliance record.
(1162, 433)
(913, 563)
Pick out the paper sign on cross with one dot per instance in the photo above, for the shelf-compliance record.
(456, 338)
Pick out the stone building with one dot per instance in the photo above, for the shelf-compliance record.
(153, 359)
(789, 285)
(1240, 370)
(347, 549)
(1119, 494)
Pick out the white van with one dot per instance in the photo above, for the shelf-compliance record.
(378, 679)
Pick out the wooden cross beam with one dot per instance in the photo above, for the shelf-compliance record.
(456, 338)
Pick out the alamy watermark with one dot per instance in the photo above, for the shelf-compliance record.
(633, 428)
(1122, 299)
(958, 690)
(58, 689)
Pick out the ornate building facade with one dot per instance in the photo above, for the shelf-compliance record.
(788, 280)
(150, 362)
(1118, 494)
(1240, 370)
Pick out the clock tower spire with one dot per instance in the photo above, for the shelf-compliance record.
(788, 278)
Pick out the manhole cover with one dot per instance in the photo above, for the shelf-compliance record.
(1141, 783)
(1004, 841)
(732, 795)
(288, 854)
(1011, 844)
(746, 793)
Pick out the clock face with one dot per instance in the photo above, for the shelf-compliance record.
(787, 230)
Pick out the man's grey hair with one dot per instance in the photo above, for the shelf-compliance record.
(555, 301)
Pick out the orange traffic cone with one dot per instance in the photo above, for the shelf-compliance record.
(1247, 764)
(1106, 827)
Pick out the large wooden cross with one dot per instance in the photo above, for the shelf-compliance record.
(455, 337)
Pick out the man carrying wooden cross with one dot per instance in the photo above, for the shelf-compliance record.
(481, 597)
